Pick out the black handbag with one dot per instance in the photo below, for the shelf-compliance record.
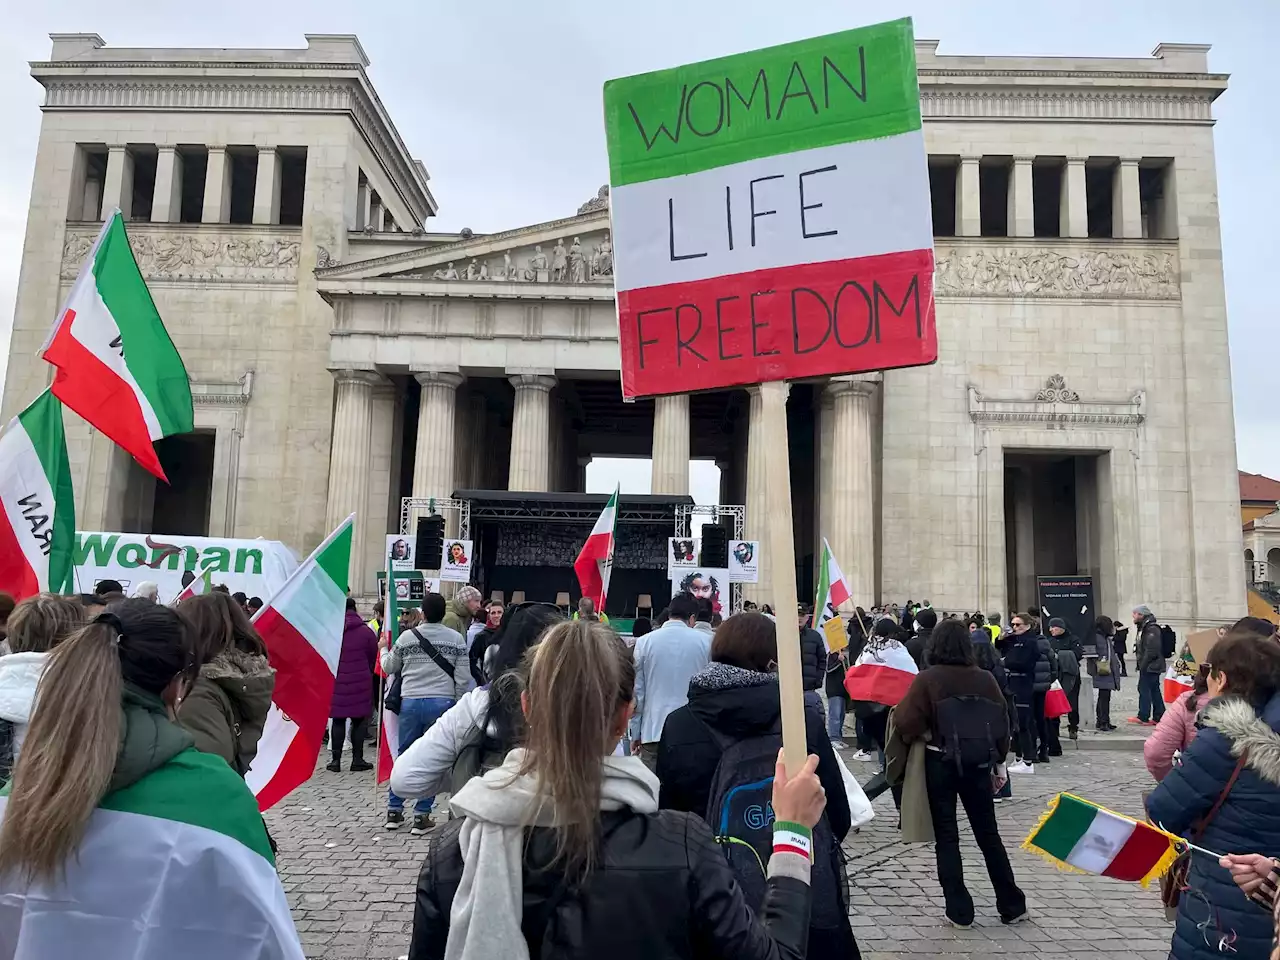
(392, 700)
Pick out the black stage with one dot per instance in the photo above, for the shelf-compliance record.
(528, 541)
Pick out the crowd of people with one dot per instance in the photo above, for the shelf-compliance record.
(615, 796)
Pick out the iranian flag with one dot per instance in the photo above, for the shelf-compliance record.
(302, 627)
(203, 583)
(1080, 835)
(389, 729)
(882, 673)
(116, 366)
(833, 592)
(37, 506)
(771, 214)
(595, 562)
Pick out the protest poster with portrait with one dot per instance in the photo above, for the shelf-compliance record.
(400, 550)
(709, 582)
(682, 556)
(455, 561)
(744, 567)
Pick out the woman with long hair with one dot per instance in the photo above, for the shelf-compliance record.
(229, 701)
(1232, 771)
(116, 834)
(562, 852)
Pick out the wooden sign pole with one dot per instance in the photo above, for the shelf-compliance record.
(780, 544)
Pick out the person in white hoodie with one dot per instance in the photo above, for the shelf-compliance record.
(36, 626)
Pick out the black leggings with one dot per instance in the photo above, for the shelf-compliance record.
(338, 733)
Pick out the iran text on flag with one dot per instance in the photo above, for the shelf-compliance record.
(389, 723)
(771, 215)
(595, 562)
(37, 506)
(302, 628)
(882, 673)
(117, 367)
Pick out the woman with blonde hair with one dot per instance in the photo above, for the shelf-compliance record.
(229, 701)
(36, 626)
(116, 834)
(562, 850)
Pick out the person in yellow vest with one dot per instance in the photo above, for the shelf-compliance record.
(993, 625)
(587, 611)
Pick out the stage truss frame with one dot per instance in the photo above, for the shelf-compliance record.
(410, 506)
(685, 513)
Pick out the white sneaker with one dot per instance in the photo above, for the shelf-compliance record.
(837, 744)
(1021, 767)
(862, 755)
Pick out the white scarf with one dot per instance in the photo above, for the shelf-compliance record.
(498, 807)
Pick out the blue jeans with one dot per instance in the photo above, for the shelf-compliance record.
(1150, 696)
(417, 714)
(835, 717)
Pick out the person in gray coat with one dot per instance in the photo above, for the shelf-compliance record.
(1105, 679)
(1046, 672)
(1068, 652)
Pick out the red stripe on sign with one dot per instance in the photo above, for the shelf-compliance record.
(93, 390)
(874, 683)
(781, 323)
(17, 578)
(1140, 853)
(303, 693)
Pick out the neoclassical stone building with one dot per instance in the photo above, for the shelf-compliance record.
(344, 355)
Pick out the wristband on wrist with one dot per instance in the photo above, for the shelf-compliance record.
(790, 837)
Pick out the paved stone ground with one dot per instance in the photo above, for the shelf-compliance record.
(350, 883)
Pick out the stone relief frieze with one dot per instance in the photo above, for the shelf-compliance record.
(569, 260)
(166, 255)
(1043, 272)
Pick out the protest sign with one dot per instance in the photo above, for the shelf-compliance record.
(411, 586)
(400, 550)
(771, 215)
(257, 568)
(682, 556)
(772, 221)
(743, 565)
(709, 583)
(455, 561)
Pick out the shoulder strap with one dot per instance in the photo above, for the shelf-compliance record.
(1222, 797)
(431, 651)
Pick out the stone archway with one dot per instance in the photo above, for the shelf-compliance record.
(1248, 566)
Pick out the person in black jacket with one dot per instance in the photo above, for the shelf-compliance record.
(578, 862)
(1021, 662)
(926, 621)
(736, 696)
(1068, 653)
(813, 657)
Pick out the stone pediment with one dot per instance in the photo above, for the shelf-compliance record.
(575, 250)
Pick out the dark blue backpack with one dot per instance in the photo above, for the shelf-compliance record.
(740, 813)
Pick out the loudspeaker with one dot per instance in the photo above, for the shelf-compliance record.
(429, 545)
(715, 545)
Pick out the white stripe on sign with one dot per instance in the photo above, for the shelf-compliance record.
(96, 329)
(1101, 842)
(315, 607)
(700, 225)
(26, 498)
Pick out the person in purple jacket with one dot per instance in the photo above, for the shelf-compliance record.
(353, 691)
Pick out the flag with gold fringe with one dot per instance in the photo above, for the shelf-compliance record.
(1083, 837)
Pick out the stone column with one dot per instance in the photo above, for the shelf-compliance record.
(1126, 202)
(757, 500)
(849, 509)
(166, 203)
(823, 468)
(349, 459)
(968, 200)
(217, 187)
(670, 445)
(364, 196)
(530, 433)
(433, 457)
(266, 191)
(1021, 207)
(117, 189)
(1074, 216)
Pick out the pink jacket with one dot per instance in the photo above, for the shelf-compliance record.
(1174, 732)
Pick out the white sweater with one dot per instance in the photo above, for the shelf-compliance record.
(424, 769)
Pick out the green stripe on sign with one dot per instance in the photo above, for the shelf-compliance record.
(42, 423)
(150, 354)
(856, 85)
(1063, 830)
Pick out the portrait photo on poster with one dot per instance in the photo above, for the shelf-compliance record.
(711, 583)
(744, 567)
(682, 556)
(455, 563)
(400, 550)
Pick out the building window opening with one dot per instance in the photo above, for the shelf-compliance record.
(1155, 191)
(144, 182)
(993, 195)
(1046, 196)
(195, 165)
(85, 202)
(244, 176)
(943, 173)
(293, 180)
(1099, 191)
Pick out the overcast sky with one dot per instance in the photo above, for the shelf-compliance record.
(502, 104)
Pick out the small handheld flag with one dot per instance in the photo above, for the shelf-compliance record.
(1083, 837)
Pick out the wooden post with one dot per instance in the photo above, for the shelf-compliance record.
(780, 542)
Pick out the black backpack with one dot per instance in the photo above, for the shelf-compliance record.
(1168, 641)
(971, 728)
(740, 813)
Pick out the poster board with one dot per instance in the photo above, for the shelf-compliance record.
(682, 556)
(711, 583)
(455, 561)
(411, 586)
(744, 563)
(1070, 598)
(400, 549)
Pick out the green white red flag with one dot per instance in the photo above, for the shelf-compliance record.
(595, 563)
(116, 366)
(389, 723)
(37, 505)
(302, 627)
(203, 583)
(833, 589)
